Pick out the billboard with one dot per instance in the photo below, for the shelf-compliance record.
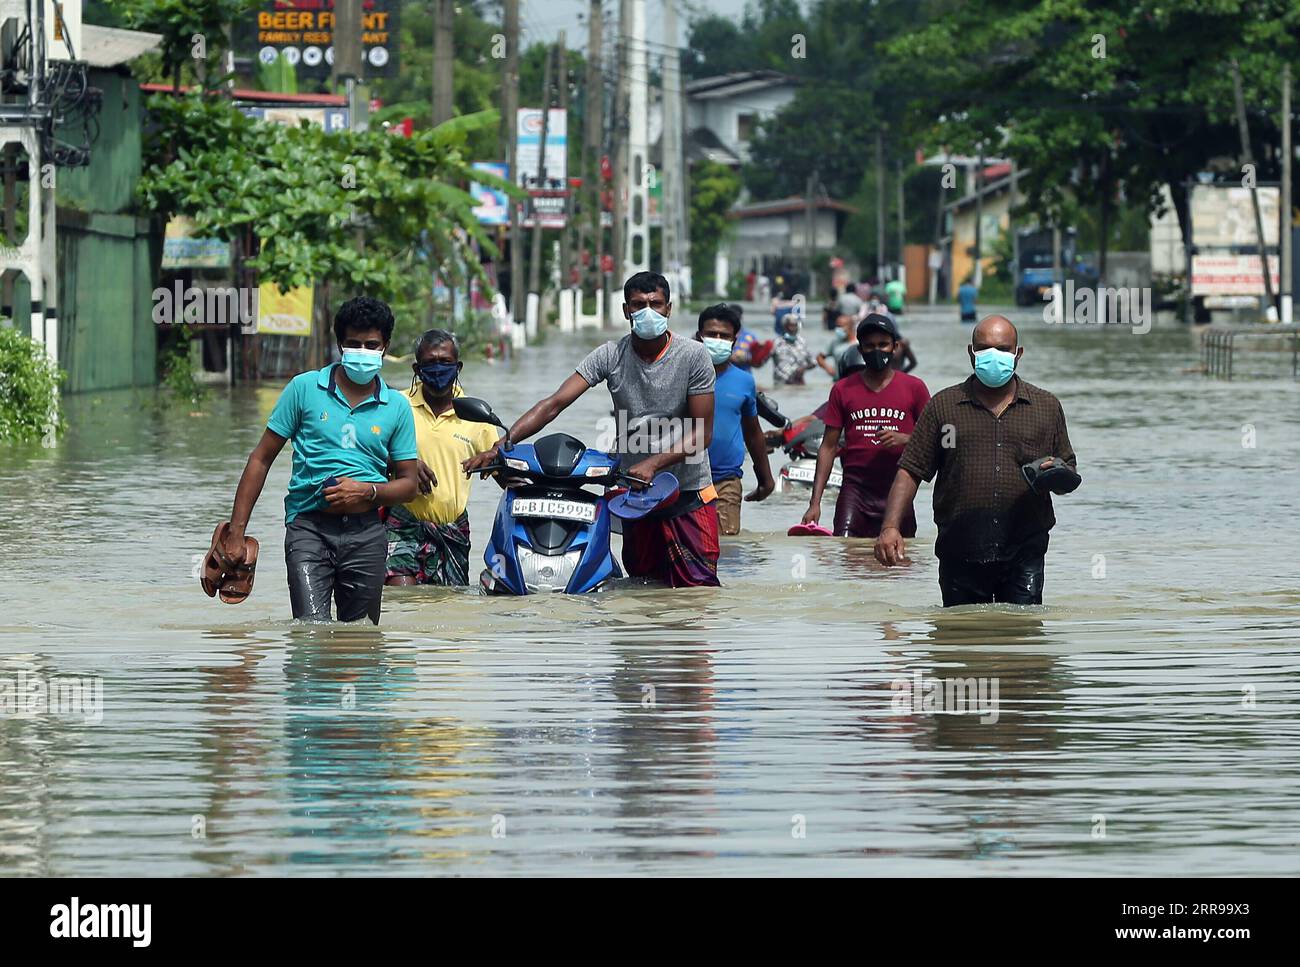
(546, 209)
(284, 313)
(1231, 274)
(493, 206)
(528, 130)
(330, 118)
(1223, 216)
(183, 250)
(302, 32)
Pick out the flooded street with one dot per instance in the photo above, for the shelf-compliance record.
(1147, 718)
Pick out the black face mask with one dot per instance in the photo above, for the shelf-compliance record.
(877, 360)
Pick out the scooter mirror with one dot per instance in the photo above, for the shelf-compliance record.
(768, 411)
(475, 411)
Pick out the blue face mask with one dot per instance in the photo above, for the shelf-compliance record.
(719, 349)
(438, 376)
(993, 367)
(362, 365)
(649, 324)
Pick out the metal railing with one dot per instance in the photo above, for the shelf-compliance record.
(1220, 345)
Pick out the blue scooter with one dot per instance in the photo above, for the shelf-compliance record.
(550, 532)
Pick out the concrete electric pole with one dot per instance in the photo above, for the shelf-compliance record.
(619, 163)
(510, 128)
(636, 246)
(593, 143)
(346, 71)
(673, 160)
(444, 28)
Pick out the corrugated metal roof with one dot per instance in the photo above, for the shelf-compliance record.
(783, 206)
(242, 94)
(111, 46)
(737, 82)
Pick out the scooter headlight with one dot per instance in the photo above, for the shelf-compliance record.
(547, 573)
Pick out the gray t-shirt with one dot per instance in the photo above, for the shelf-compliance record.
(651, 411)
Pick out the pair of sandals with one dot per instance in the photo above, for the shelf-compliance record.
(220, 576)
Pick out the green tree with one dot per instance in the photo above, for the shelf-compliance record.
(850, 92)
(297, 197)
(1095, 97)
(813, 134)
(763, 40)
(714, 189)
(184, 24)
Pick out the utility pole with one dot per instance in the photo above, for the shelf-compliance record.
(902, 265)
(673, 161)
(510, 128)
(593, 140)
(562, 83)
(979, 217)
(535, 259)
(1246, 159)
(347, 55)
(1286, 195)
(636, 244)
(809, 230)
(880, 207)
(936, 252)
(1011, 225)
(619, 134)
(444, 28)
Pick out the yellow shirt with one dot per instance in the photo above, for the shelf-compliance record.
(444, 440)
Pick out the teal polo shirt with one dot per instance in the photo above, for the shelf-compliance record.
(332, 439)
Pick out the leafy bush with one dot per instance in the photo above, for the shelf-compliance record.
(29, 381)
(178, 368)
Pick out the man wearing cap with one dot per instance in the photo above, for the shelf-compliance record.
(875, 410)
(1000, 449)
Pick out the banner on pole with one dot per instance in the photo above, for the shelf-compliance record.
(493, 206)
(528, 131)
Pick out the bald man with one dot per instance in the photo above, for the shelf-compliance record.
(993, 525)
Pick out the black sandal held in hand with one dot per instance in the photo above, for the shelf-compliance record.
(1059, 478)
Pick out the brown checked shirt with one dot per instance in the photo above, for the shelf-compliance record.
(982, 502)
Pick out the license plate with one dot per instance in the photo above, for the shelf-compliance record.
(806, 474)
(561, 509)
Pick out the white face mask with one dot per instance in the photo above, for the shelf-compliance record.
(362, 365)
(649, 324)
(719, 349)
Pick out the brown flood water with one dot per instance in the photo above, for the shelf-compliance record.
(1147, 717)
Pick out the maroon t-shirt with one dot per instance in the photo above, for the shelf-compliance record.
(862, 413)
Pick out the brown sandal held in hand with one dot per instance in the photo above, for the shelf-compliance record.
(238, 583)
(215, 564)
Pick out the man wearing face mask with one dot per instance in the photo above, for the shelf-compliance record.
(651, 376)
(735, 419)
(349, 433)
(875, 409)
(1000, 448)
(428, 538)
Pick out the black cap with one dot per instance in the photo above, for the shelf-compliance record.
(877, 321)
